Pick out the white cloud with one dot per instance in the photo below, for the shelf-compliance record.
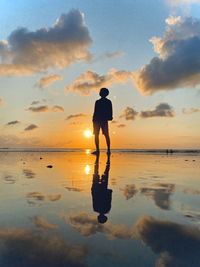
(91, 81)
(48, 80)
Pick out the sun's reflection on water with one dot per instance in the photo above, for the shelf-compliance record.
(87, 169)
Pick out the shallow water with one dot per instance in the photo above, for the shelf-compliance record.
(49, 216)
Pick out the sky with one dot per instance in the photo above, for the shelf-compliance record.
(56, 55)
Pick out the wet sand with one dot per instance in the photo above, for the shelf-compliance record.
(49, 215)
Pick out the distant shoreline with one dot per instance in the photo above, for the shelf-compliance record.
(136, 151)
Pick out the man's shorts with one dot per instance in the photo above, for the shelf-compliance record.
(103, 125)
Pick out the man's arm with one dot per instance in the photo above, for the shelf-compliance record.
(110, 112)
(95, 111)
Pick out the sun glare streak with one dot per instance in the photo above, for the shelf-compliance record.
(87, 169)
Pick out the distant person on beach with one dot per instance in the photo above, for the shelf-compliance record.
(102, 114)
(101, 195)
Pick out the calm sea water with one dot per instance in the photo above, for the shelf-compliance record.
(73, 209)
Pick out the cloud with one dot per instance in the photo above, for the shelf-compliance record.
(160, 193)
(90, 81)
(38, 196)
(178, 60)
(177, 245)
(45, 108)
(31, 127)
(121, 125)
(39, 109)
(74, 189)
(129, 191)
(88, 225)
(161, 110)
(48, 80)
(35, 102)
(29, 173)
(12, 122)
(73, 116)
(10, 140)
(58, 46)
(182, 2)
(57, 108)
(42, 223)
(9, 179)
(190, 110)
(129, 114)
(114, 54)
(37, 249)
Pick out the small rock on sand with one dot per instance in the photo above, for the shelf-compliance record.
(49, 166)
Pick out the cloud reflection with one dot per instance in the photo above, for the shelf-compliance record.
(160, 193)
(24, 248)
(177, 245)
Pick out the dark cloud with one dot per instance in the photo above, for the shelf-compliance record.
(42, 223)
(190, 110)
(48, 80)
(39, 109)
(22, 248)
(45, 108)
(160, 193)
(13, 122)
(177, 245)
(129, 114)
(74, 189)
(161, 110)
(73, 116)
(35, 102)
(121, 125)
(9, 179)
(178, 63)
(57, 108)
(90, 81)
(35, 197)
(31, 127)
(29, 173)
(129, 191)
(66, 42)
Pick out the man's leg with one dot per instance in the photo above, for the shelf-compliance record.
(107, 137)
(107, 141)
(96, 138)
(96, 129)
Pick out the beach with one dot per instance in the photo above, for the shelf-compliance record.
(50, 201)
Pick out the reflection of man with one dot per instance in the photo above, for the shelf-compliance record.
(101, 195)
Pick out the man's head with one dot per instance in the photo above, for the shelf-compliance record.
(102, 218)
(104, 92)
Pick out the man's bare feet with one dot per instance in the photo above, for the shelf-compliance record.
(96, 152)
(108, 152)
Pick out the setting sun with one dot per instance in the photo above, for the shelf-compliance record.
(87, 133)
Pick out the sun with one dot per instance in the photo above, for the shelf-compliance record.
(87, 133)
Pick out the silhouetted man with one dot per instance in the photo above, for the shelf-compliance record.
(102, 114)
(101, 195)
